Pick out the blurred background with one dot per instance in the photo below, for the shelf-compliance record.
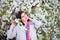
(46, 11)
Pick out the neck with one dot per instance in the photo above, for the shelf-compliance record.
(25, 22)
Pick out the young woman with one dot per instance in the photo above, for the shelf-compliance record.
(25, 32)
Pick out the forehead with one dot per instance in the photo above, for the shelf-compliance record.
(22, 14)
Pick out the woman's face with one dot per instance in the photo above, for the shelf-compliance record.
(24, 17)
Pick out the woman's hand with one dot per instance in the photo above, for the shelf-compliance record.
(30, 19)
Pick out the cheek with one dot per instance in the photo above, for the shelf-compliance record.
(23, 19)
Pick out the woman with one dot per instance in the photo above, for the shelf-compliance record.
(25, 32)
